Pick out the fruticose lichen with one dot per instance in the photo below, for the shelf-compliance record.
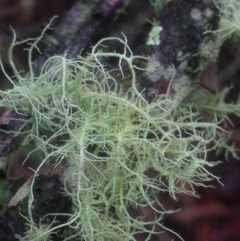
(209, 103)
(110, 140)
(229, 26)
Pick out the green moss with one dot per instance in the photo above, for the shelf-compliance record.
(110, 140)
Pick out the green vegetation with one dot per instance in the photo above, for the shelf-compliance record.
(110, 139)
(215, 105)
(229, 26)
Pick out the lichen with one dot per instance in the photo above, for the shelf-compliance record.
(110, 139)
(154, 36)
(229, 26)
(215, 105)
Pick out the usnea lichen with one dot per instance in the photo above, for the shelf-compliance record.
(229, 25)
(209, 103)
(110, 139)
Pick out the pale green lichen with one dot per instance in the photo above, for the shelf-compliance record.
(215, 105)
(110, 140)
(229, 25)
(154, 36)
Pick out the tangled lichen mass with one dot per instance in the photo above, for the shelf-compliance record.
(110, 139)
